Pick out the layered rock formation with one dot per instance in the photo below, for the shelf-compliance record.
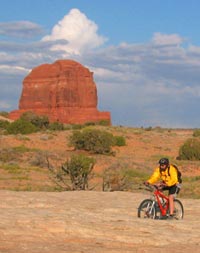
(64, 91)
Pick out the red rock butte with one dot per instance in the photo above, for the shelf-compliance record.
(64, 91)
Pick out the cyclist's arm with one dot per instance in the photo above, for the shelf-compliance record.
(155, 177)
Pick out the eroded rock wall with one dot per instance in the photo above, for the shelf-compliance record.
(64, 91)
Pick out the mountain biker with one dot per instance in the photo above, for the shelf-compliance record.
(169, 181)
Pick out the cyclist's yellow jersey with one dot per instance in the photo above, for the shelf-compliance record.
(169, 176)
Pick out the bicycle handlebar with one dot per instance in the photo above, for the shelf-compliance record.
(152, 187)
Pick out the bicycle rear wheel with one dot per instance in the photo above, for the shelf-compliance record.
(147, 209)
(178, 209)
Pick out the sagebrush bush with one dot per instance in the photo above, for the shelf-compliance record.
(41, 122)
(39, 159)
(93, 140)
(190, 150)
(21, 127)
(89, 123)
(12, 168)
(76, 126)
(196, 133)
(4, 124)
(103, 122)
(56, 126)
(4, 114)
(6, 155)
(11, 154)
(119, 141)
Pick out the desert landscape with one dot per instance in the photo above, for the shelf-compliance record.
(36, 217)
(93, 95)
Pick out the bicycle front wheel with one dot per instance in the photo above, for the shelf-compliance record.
(147, 209)
(178, 210)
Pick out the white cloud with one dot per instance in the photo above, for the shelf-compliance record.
(79, 32)
(4, 105)
(7, 69)
(22, 29)
(167, 39)
(194, 49)
(106, 74)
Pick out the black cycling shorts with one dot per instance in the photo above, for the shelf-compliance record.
(172, 189)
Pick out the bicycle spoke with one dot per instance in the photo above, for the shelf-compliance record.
(147, 209)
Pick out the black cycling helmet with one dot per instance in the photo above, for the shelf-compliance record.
(164, 161)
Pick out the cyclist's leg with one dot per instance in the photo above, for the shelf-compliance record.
(171, 204)
(172, 192)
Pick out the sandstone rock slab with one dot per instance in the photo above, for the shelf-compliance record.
(91, 222)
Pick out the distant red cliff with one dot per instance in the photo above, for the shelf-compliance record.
(64, 91)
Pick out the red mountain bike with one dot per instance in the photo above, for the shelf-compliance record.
(157, 207)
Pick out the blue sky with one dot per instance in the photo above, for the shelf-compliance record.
(145, 54)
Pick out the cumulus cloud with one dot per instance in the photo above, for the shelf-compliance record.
(13, 70)
(167, 39)
(149, 84)
(79, 32)
(21, 29)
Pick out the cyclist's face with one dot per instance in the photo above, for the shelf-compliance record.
(163, 166)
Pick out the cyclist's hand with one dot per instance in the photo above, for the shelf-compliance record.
(161, 185)
(146, 183)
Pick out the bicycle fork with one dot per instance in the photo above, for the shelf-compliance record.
(150, 208)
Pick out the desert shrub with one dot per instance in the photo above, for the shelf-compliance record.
(4, 114)
(56, 126)
(75, 173)
(113, 181)
(21, 127)
(89, 124)
(39, 159)
(4, 124)
(93, 140)
(119, 141)
(190, 150)
(41, 122)
(196, 133)
(120, 177)
(76, 126)
(104, 122)
(21, 149)
(12, 168)
(6, 155)
(116, 178)
(148, 128)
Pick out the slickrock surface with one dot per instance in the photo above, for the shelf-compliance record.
(91, 222)
(64, 91)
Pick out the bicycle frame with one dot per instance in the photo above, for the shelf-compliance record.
(158, 195)
(157, 207)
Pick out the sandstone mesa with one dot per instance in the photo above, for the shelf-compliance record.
(64, 91)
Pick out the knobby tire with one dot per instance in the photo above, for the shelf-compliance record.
(178, 209)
